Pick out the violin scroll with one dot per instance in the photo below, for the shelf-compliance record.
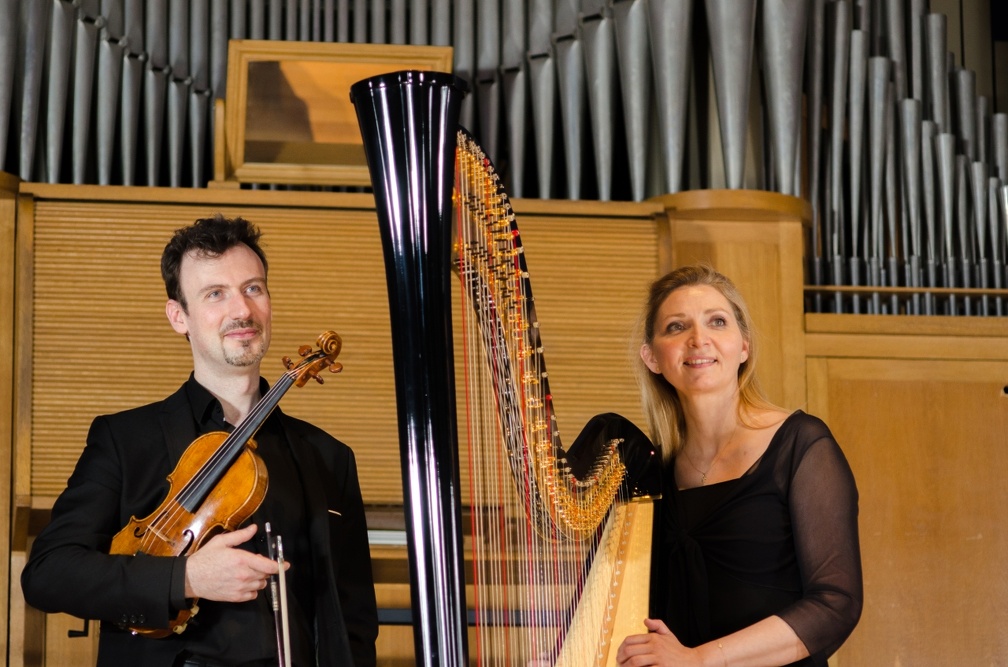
(329, 344)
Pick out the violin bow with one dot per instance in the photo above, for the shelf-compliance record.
(278, 593)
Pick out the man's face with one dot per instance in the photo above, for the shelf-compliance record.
(228, 309)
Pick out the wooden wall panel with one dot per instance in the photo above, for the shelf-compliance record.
(8, 190)
(101, 341)
(589, 276)
(924, 430)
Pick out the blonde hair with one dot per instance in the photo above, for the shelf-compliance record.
(660, 403)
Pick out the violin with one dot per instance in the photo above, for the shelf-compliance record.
(219, 481)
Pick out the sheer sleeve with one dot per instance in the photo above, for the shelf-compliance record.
(823, 500)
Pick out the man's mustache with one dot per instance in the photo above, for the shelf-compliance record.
(242, 324)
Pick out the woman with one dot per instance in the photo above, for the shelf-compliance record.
(756, 558)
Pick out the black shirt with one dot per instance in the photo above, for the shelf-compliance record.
(780, 540)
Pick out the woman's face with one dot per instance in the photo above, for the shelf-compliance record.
(697, 345)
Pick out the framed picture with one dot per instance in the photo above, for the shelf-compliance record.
(287, 116)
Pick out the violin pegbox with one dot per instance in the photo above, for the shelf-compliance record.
(313, 362)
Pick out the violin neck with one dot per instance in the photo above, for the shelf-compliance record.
(244, 431)
(203, 483)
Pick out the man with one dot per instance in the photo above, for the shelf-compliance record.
(215, 275)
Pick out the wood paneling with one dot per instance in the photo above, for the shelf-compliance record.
(922, 419)
(8, 189)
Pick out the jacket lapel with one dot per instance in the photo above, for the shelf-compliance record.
(177, 425)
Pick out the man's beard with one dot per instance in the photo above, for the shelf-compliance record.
(251, 352)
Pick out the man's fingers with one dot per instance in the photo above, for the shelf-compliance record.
(234, 537)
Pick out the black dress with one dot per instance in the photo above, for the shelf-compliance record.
(780, 540)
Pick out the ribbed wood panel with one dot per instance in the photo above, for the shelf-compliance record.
(101, 342)
(588, 279)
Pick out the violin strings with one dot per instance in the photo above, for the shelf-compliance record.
(214, 467)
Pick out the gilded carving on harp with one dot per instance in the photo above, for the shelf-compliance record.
(546, 525)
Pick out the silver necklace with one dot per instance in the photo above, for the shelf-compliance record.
(703, 475)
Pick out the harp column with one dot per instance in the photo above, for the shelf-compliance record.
(409, 122)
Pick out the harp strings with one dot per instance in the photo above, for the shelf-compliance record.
(534, 525)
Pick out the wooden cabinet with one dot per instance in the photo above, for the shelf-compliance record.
(920, 407)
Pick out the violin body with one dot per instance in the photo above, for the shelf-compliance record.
(173, 530)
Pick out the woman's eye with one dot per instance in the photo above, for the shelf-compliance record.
(719, 321)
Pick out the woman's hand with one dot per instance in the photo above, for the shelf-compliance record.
(658, 647)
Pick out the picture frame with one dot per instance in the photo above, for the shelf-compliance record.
(287, 117)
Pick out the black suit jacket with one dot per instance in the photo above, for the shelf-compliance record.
(122, 473)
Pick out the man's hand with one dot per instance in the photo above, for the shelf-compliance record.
(219, 571)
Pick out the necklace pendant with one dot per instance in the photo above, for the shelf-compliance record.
(703, 478)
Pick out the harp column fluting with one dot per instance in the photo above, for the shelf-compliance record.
(409, 121)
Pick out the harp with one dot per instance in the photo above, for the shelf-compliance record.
(559, 539)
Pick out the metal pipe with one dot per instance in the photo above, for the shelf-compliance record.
(109, 92)
(893, 204)
(731, 25)
(83, 93)
(487, 75)
(840, 58)
(895, 31)
(983, 128)
(783, 28)
(910, 125)
(670, 22)
(633, 54)
(878, 84)
(58, 85)
(855, 124)
(814, 49)
(936, 39)
(929, 190)
(573, 98)
(963, 224)
(1002, 201)
(997, 243)
(515, 81)
(129, 129)
(981, 267)
(596, 33)
(945, 145)
(918, 82)
(419, 22)
(999, 144)
(8, 70)
(965, 91)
